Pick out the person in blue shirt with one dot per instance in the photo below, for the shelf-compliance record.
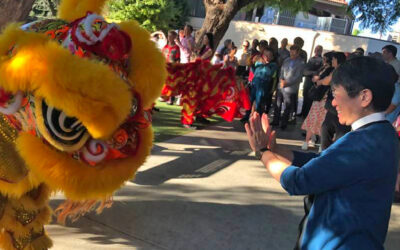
(264, 69)
(354, 179)
(394, 109)
(389, 53)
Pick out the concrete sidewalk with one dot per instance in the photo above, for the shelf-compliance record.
(203, 190)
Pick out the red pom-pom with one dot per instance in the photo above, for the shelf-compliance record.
(115, 46)
(4, 97)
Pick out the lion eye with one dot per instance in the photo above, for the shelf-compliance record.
(66, 131)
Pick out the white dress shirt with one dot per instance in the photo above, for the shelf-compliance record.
(375, 117)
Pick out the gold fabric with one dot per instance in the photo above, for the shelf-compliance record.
(3, 202)
(22, 242)
(22, 220)
(12, 166)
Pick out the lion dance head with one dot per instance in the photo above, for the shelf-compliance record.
(73, 98)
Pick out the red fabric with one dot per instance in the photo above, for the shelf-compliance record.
(116, 45)
(4, 97)
(172, 53)
(206, 90)
(251, 74)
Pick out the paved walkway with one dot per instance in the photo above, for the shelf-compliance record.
(203, 190)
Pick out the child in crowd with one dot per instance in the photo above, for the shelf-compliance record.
(171, 49)
(230, 60)
(172, 54)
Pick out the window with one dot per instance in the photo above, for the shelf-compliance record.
(196, 8)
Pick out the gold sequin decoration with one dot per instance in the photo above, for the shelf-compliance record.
(25, 217)
(21, 242)
(12, 166)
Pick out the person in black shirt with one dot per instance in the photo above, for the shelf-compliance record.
(312, 68)
(331, 129)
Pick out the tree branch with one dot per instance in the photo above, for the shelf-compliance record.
(11, 10)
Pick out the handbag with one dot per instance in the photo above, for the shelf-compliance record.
(317, 92)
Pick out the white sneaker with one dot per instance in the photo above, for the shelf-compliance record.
(191, 127)
(313, 138)
(311, 144)
(305, 146)
(320, 149)
(179, 101)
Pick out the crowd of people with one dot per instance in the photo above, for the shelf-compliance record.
(191, 75)
(280, 72)
(347, 98)
(348, 187)
(273, 74)
(352, 103)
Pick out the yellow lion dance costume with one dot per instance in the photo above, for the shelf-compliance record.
(73, 98)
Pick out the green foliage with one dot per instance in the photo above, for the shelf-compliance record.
(377, 15)
(356, 32)
(153, 15)
(44, 9)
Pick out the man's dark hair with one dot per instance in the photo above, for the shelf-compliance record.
(365, 72)
(299, 42)
(340, 57)
(392, 49)
(354, 55)
(360, 50)
(295, 47)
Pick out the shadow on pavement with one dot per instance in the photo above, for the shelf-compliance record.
(194, 163)
(191, 225)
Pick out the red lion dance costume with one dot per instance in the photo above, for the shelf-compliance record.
(206, 90)
(73, 95)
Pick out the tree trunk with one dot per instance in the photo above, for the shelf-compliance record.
(14, 10)
(218, 17)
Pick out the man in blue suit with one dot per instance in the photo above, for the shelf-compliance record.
(353, 180)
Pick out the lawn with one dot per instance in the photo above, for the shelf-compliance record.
(167, 122)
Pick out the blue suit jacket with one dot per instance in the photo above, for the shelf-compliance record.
(353, 182)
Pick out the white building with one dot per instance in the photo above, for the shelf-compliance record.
(314, 29)
(327, 15)
(394, 36)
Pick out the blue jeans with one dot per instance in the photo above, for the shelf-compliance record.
(259, 94)
(290, 101)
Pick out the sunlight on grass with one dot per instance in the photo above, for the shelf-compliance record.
(167, 122)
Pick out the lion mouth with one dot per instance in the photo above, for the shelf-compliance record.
(68, 134)
(63, 132)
